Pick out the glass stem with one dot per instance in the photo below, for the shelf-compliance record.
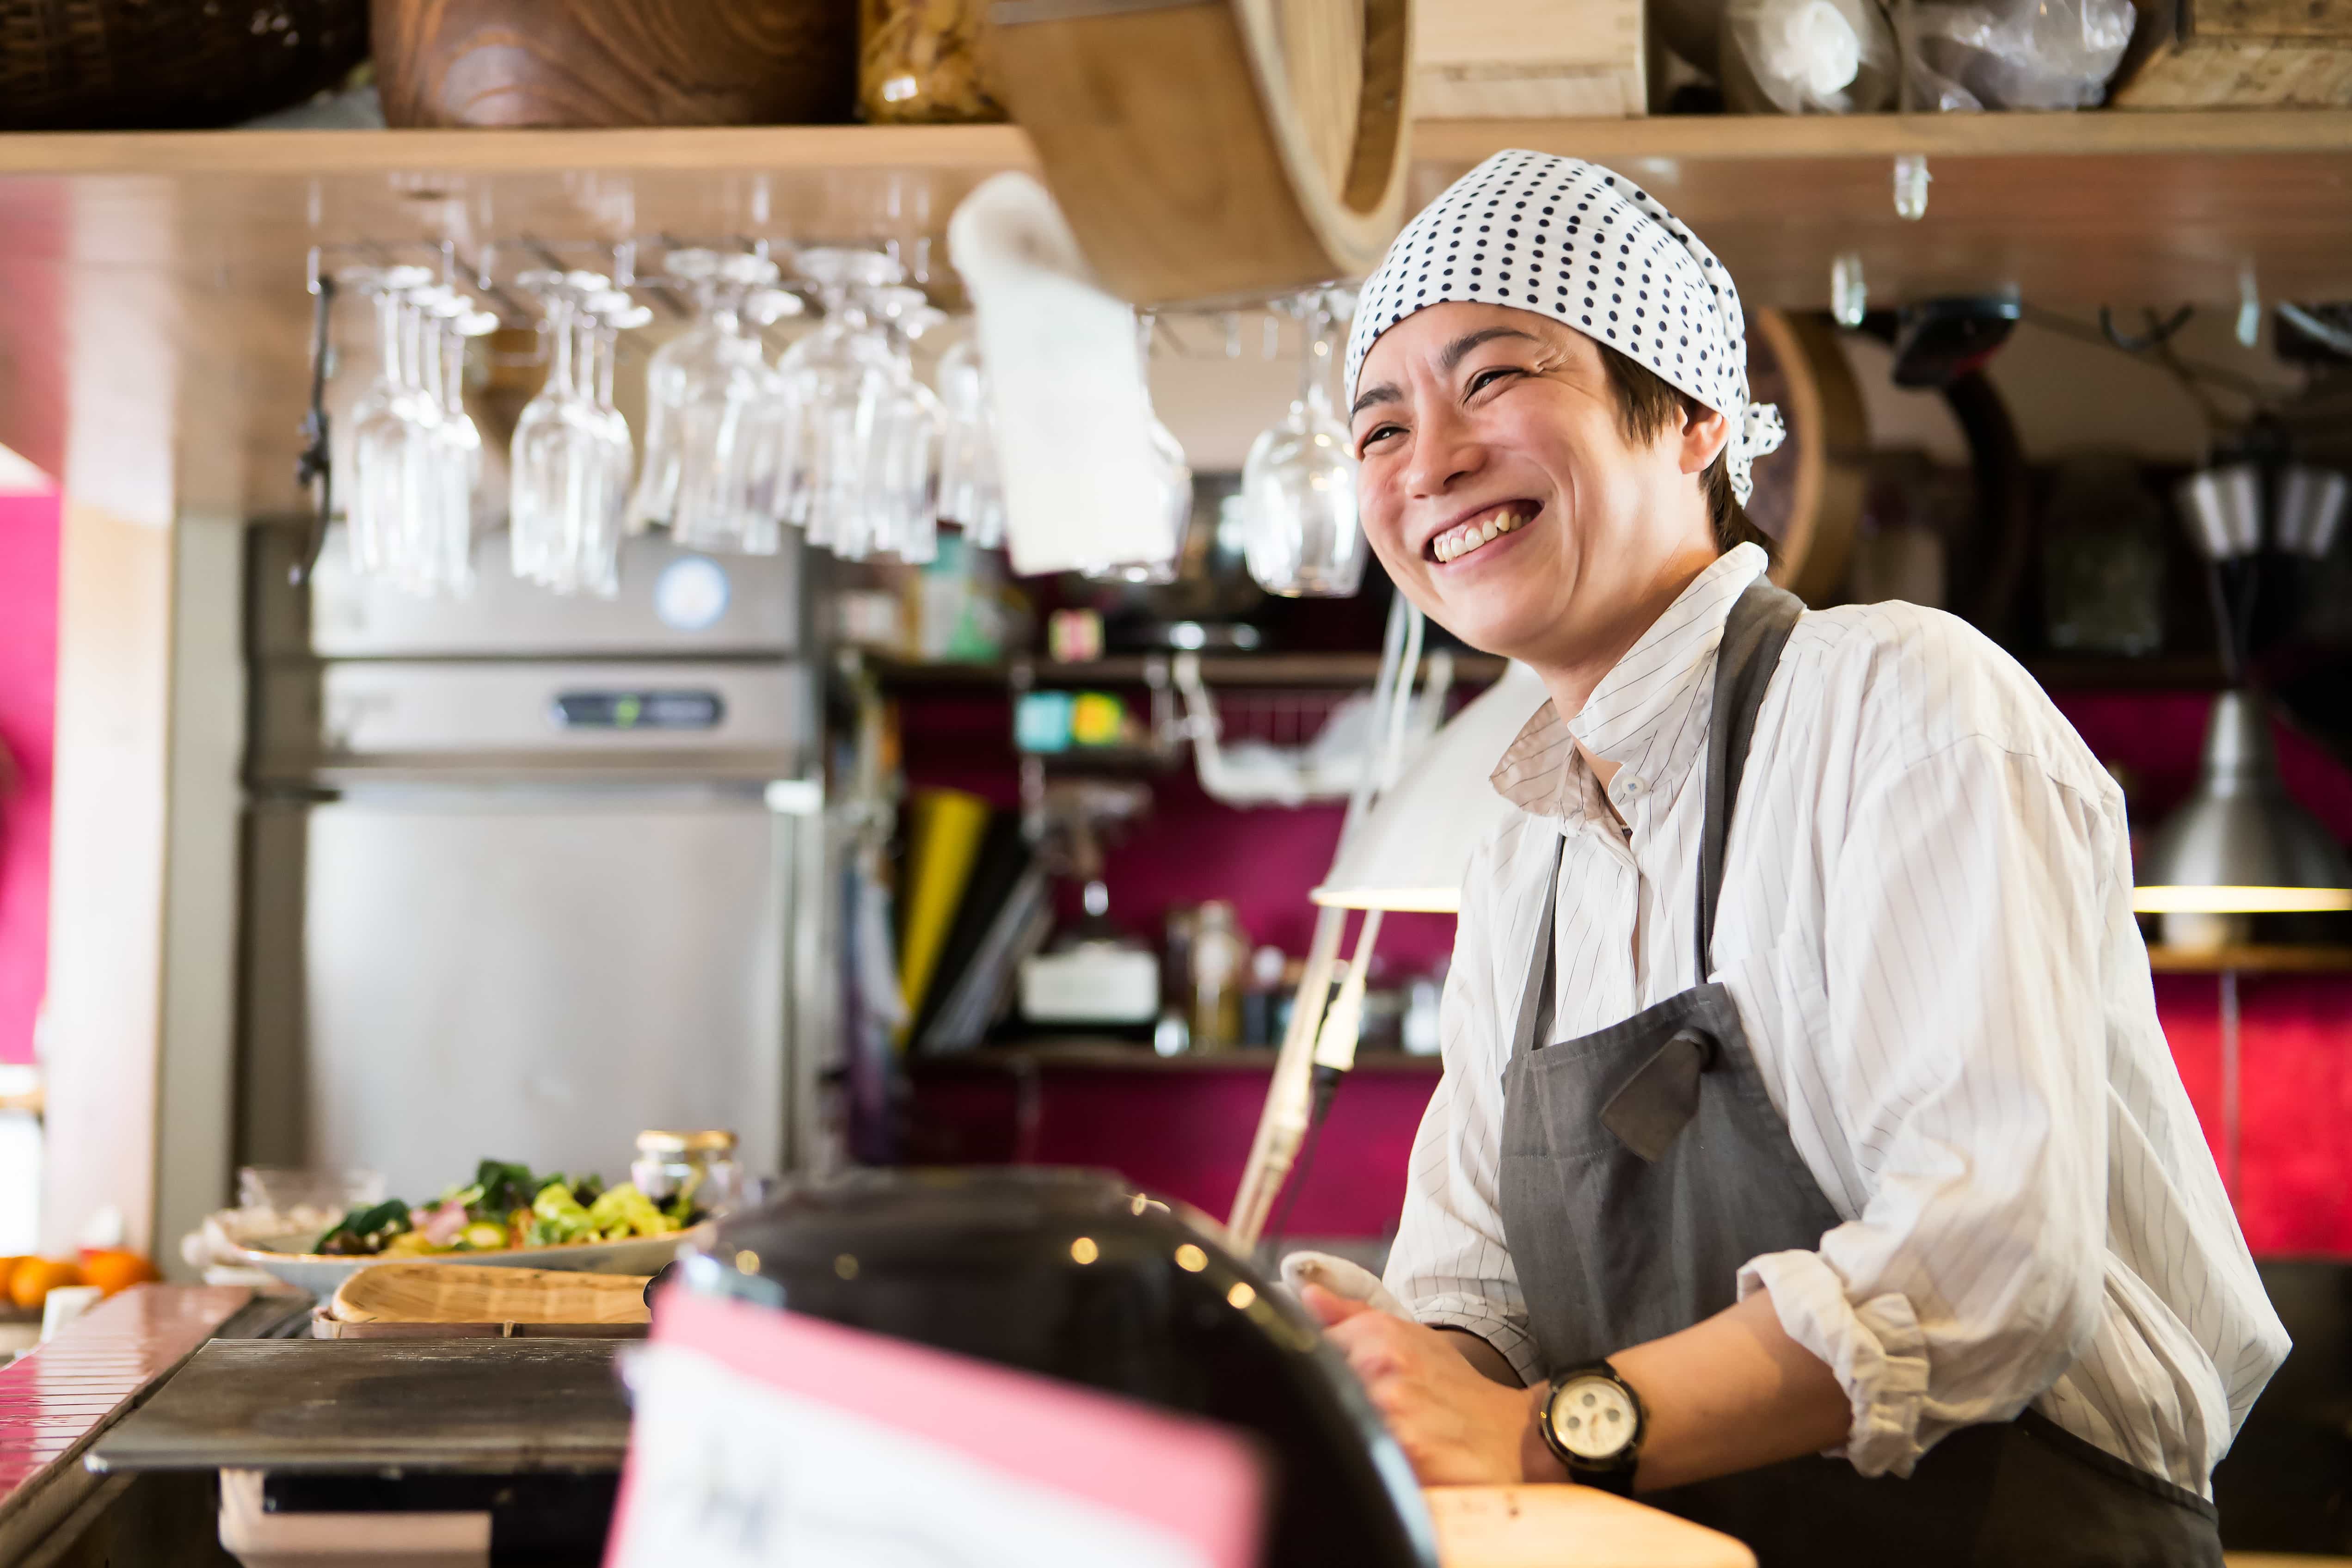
(411, 346)
(558, 324)
(453, 374)
(387, 332)
(1310, 332)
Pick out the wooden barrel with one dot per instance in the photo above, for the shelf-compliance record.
(615, 62)
(1209, 150)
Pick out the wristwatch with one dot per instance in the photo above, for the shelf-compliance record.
(1592, 1422)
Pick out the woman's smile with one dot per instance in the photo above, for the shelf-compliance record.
(1480, 530)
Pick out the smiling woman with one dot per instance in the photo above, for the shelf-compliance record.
(1505, 491)
(1797, 1138)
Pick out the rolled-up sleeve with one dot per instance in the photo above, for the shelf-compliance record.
(1963, 1042)
(1449, 1264)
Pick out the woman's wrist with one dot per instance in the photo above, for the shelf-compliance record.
(1538, 1463)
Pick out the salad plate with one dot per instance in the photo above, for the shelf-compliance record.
(322, 1274)
(506, 1217)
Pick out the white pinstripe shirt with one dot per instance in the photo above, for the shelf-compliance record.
(1927, 927)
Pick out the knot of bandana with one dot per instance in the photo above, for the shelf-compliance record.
(1757, 433)
(1593, 250)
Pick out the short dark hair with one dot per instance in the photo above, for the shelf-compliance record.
(1648, 406)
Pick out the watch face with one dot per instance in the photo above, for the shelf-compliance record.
(1592, 1419)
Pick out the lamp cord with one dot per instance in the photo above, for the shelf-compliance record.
(1327, 1087)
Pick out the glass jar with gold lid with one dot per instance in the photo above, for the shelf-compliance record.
(925, 62)
(699, 1163)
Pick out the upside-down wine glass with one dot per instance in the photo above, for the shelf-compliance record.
(836, 381)
(971, 493)
(709, 394)
(1300, 532)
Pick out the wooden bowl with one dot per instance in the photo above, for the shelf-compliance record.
(615, 62)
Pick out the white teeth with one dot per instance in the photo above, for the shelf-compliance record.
(1457, 543)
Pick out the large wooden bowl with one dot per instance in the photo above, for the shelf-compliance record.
(1219, 150)
(615, 62)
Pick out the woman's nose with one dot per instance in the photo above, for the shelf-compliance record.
(1445, 451)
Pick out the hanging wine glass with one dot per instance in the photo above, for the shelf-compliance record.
(834, 380)
(1300, 534)
(1169, 504)
(570, 468)
(450, 552)
(902, 464)
(597, 524)
(379, 440)
(971, 494)
(702, 433)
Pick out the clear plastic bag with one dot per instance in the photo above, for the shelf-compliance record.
(1806, 57)
(2014, 54)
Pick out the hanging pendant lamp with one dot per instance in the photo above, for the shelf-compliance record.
(2240, 844)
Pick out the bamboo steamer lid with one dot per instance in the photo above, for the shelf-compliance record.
(1216, 150)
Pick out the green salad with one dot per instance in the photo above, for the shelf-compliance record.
(503, 1207)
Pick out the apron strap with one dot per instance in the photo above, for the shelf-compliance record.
(1753, 635)
(1757, 629)
(1533, 1031)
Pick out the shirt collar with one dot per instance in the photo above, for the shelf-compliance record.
(1644, 714)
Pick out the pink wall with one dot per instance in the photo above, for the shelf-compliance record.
(1187, 1133)
(29, 679)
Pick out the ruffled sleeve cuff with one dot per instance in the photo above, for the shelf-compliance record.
(1491, 1323)
(1875, 1347)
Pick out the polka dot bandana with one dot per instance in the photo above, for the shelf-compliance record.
(1593, 250)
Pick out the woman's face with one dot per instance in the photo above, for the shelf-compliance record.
(1498, 488)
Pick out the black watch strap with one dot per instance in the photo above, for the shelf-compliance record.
(1593, 1422)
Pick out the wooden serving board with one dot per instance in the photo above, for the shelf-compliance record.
(437, 1293)
(1570, 1527)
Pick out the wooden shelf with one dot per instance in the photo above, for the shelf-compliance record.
(1119, 1056)
(155, 322)
(1277, 670)
(2264, 958)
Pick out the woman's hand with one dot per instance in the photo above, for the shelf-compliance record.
(1456, 1426)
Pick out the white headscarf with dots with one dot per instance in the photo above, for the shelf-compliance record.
(1594, 251)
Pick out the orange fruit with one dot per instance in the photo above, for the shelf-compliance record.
(34, 1277)
(112, 1269)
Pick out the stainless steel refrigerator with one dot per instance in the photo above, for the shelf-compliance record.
(527, 874)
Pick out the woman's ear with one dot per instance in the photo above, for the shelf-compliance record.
(1705, 432)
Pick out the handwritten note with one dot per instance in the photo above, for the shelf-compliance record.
(764, 1438)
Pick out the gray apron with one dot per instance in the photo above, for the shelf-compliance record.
(1642, 1165)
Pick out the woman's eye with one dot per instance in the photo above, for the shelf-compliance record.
(1486, 378)
(1377, 433)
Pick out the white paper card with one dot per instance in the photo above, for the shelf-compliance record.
(732, 1473)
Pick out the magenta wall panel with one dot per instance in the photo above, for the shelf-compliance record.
(28, 679)
(1186, 1134)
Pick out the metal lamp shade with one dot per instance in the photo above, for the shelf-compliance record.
(2223, 509)
(2310, 509)
(2241, 844)
(1409, 850)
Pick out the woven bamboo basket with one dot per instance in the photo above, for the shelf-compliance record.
(122, 65)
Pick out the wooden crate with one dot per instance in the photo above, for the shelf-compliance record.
(1528, 60)
(2210, 54)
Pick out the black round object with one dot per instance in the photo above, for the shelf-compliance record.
(1076, 1275)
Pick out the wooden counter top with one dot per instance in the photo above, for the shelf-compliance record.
(1570, 1527)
